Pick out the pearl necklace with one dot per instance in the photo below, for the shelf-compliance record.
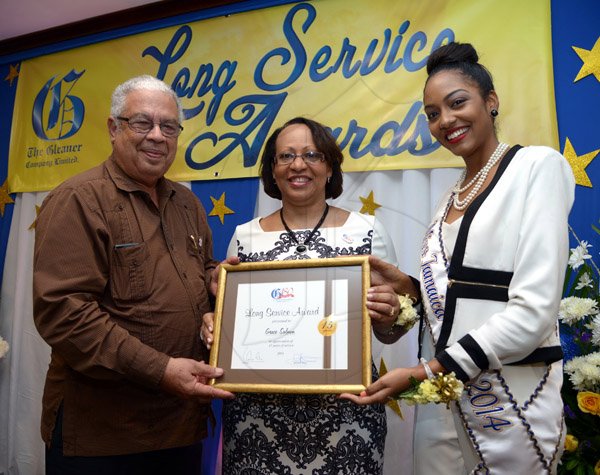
(478, 180)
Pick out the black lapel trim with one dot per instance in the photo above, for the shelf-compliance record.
(458, 254)
(461, 241)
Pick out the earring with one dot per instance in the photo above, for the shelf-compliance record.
(328, 179)
(494, 112)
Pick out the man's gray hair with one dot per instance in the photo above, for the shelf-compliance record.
(144, 82)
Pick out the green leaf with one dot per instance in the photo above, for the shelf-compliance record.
(414, 382)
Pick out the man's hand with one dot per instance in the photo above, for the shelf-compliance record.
(214, 276)
(188, 378)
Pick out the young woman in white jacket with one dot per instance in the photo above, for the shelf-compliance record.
(492, 268)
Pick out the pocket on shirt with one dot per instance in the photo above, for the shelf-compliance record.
(195, 251)
(130, 279)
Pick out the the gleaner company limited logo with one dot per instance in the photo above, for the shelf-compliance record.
(56, 113)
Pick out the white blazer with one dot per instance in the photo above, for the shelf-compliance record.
(508, 266)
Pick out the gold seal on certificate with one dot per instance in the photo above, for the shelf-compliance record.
(327, 326)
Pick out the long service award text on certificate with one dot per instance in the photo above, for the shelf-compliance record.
(293, 326)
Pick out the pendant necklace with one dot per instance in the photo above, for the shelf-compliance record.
(301, 245)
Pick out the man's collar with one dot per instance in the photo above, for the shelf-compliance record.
(123, 182)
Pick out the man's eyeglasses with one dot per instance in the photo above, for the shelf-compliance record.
(311, 157)
(143, 125)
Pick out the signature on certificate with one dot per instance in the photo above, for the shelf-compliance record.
(300, 359)
(252, 356)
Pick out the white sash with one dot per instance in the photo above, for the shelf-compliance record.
(509, 437)
(434, 278)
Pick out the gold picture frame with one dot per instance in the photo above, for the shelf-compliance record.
(293, 326)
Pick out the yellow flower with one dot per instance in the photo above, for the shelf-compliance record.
(427, 392)
(597, 468)
(589, 402)
(571, 443)
(443, 388)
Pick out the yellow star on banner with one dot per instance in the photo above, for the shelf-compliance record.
(5, 198)
(369, 206)
(219, 208)
(579, 163)
(393, 403)
(37, 212)
(13, 73)
(591, 61)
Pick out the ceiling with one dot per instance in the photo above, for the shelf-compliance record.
(21, 17)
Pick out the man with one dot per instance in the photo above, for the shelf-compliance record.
(119, 289)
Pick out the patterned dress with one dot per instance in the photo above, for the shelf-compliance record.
(306, 434)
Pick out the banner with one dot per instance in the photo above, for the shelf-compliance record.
(358, 67)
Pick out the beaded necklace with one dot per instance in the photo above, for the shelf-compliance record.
(478, 180)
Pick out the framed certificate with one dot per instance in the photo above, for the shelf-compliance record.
(293, 326)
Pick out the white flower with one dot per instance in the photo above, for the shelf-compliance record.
(584, 372)
(594, 326)
(4, 347)
(573, 309)
(579, 254)
(584, 281)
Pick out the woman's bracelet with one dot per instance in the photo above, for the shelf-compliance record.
(428, 371)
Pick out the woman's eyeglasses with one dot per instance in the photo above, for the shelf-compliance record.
(311, 157)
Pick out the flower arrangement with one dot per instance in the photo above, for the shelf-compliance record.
(4, 347)
(579, 317)
(442, 388)
(408, 316)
